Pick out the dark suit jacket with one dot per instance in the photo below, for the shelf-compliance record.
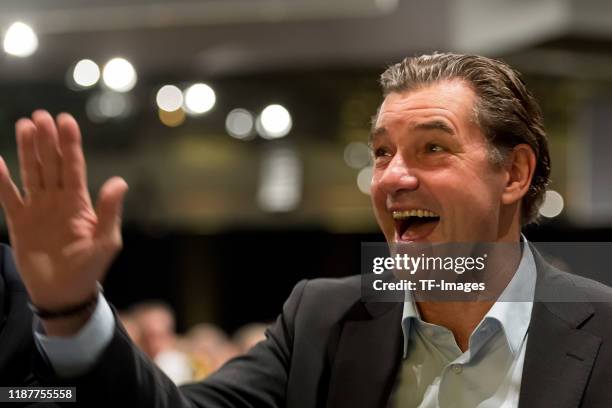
(328, 348)
(16, 344)
(17, 349)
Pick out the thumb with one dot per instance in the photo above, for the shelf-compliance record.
(109, 207)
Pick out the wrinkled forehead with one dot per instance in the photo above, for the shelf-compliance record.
(453, 95)
(445, 106)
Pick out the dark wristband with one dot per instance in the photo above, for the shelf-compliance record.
(89, 304)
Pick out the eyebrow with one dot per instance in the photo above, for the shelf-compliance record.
(435, 125)
(427, 126)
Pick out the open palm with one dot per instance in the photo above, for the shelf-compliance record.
(62, 245)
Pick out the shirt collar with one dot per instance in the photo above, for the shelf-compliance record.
(512, 309)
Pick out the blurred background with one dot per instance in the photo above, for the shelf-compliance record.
(240, 126)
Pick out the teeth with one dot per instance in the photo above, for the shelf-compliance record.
(398, 215)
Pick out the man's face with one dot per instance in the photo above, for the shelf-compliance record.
(430, 155)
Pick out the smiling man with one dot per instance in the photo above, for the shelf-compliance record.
(460, 156)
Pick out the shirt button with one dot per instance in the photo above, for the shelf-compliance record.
(457, 368)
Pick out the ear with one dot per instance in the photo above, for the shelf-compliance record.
(520, 167)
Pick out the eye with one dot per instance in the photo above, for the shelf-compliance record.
(434, 148)
(380, 152)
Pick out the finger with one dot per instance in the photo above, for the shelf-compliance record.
(108, 209)
(47, 145)
(10, 198)
(29, 163)
(74, 171)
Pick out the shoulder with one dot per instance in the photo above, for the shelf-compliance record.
(555, 285)
(580, 293)
(337, 292)
(323, 302)
(591, 288)
(579, 288)
(597, 294)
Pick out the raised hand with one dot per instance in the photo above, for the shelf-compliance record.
(62, 245)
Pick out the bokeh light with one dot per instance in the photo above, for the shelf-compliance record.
(240, 124)
(169, 98)
(20, 40)
(274, 122)
(199, 98)
(86, 73)
(119, 75)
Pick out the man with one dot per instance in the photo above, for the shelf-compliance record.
(458, 140)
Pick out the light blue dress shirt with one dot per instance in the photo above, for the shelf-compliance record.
(436, 373)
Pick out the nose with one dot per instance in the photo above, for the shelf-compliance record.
(396, 177)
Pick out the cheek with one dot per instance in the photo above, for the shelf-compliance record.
(480, 201)
(464, 197)
(377, 194)
(378, 199)
(378, 205)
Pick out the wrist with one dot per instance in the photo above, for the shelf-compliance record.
(67, 320)
(66, 326)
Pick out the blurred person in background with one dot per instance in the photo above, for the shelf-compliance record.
(156, 323)
(457, 135)
(158, 339)
(246, 337)
(209, 348)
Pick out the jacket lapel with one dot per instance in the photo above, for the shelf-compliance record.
(559, 356)
(367, 357)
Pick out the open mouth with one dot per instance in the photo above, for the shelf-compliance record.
(412, 225)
